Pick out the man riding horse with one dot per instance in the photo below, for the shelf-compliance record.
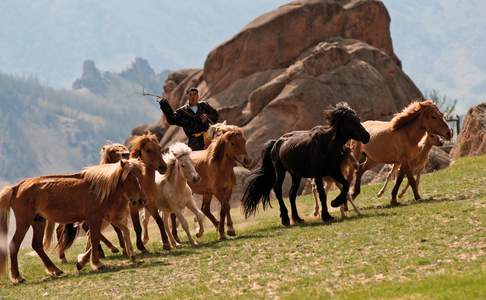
(194, 118)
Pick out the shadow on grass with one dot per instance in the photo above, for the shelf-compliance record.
(429, 200)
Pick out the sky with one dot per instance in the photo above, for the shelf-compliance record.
(440, 42)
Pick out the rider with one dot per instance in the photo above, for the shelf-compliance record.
(194, 118)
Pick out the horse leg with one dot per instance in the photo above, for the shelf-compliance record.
(398, 181)
(293, 195)
(108, 244)
(94, 236)
(22, 226)
(316, 199)
(145, 221)
(388, 177)
(121, 240)
(206, 209)
(199, 216)
(222, 215)
(121, 225)
(37, 238)
(229, 222)
(165, 217)
(185, 226)
(343, 196)
(326, 217)
(138, 228)
(155, 214)
(411, 181)
(277, 188)
(173, 220)
(368, 164)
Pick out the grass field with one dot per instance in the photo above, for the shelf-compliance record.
(433, 249)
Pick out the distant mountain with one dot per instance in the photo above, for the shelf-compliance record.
(45, 130)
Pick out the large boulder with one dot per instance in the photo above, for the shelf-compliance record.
(286, 66)
(472, 139)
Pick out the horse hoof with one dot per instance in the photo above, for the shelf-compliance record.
(56, 272)
(79, 267)
(298, 221)
(394, 203)
(327, 219)
(199, 234)
(337, 202)
(194, 243)
(115, 250)
(222, 237)
(64, 260)
(98, 267)
(18, 280)
(167, 247)
(231, 232)
(286, 222)
(176, 238)
(316, 214)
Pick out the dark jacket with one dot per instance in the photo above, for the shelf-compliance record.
(191, 122)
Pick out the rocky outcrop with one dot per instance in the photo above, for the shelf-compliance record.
(472, 139)
(286, 66)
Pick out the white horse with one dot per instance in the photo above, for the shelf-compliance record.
(174, 194)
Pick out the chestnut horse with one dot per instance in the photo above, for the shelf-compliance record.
(314, 153)
(396, 142)
(215, 166)
(417, 164)
(97, 193)
(66, 233)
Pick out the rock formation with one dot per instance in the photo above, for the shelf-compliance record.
(472, 139)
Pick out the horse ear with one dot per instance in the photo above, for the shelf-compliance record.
(224, 122)
(125, 165)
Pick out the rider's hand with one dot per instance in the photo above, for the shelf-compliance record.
(161, 99)
(204, 117)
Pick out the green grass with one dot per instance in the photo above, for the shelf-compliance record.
(433, 249)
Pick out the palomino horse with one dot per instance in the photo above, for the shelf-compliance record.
(314, 153)
(396, 142)
(66, 233)
(146, 147)
(174, 194)
(349, 164)
(417, 164)
(97, 193)
(215, 166)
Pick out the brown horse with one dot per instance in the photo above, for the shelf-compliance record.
(97, 193)
(396, 141)
(215, 166)
(146, 147)
(66, 233)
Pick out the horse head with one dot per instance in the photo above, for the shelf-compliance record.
(131, 180)
(185, 166)
(346, 122)
(112, 153)
(147, 148)
(433, 120)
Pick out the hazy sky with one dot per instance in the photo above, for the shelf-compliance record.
(440, 42)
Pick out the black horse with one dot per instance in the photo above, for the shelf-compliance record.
(313, 153)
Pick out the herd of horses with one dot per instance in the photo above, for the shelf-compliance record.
(146, 178)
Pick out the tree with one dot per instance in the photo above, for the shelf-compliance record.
(446, 105)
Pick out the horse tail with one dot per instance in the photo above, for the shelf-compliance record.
(66, 234)
(48, 232)
(6, 196)
(260, 183)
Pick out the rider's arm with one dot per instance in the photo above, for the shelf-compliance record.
(173, 118)
(212, 114)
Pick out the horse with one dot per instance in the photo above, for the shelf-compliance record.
(174, 193)
(147, 148)
(97, 193)
(396, 142)
(66, 233)
(215, 166)
(417, 164)
(349, 164)
(314, 153)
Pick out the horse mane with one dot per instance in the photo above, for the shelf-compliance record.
(106, 150)
(137, 144)
(175, 151)
(104, 179)
(409, 113)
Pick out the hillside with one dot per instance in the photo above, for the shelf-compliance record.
(45, 130)
(433, 249)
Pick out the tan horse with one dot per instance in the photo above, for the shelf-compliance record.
(417, 164)
(215, 166)
(66, 233)
(396, 141)
(97, 193)
(146, 147)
